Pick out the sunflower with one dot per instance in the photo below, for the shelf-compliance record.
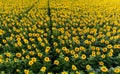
(56, 62)
(46, 59)
(30, 63)
(83, 56)
(104, 69)
(74, 67)
(43, 69)
(117, 70)
(66, 59)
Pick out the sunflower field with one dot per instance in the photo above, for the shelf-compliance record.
(59, 36)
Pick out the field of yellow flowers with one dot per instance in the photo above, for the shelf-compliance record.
(59, 37)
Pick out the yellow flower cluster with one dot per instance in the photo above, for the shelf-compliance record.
(59, 36)
(86, 33)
